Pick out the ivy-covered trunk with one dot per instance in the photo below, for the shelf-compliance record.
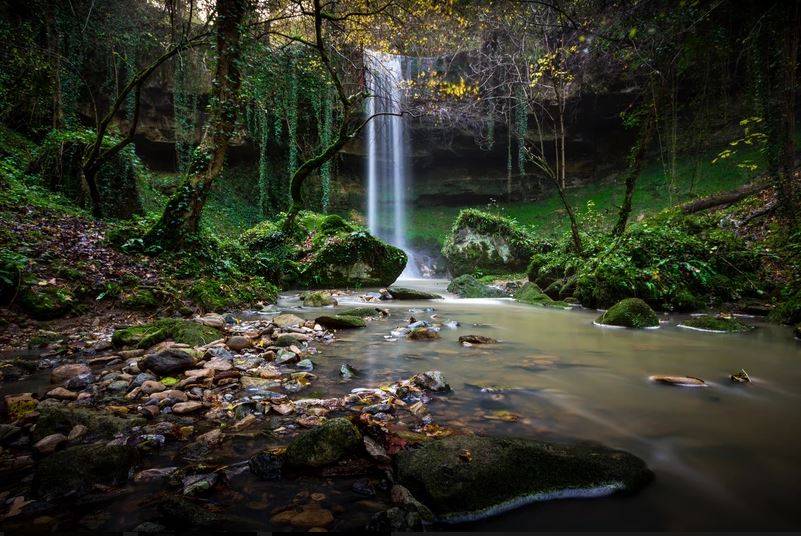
(181, 217)
(636, 160)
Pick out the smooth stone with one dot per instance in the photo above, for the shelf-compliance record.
(477, 339)
(182, 408)
(679, 381)
(50, 443)
(324, 444)
(238, 343)
(152, 386)
(173, 394)
(63, 373)
(169, 361)
(288, 320)
(62, 394)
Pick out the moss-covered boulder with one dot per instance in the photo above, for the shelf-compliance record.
(318, 298)
(340, 321)
(61, 419)
(215, 295)
(404, 293)
(467, 286)
(486, 242)
(177, 329)
(362, 312)
(322, 251)
(716, 324)
(630, 313)
(324, 445)
(59, 159)
(46, 302)
(463, 478)
(531, 294)
(77, 470)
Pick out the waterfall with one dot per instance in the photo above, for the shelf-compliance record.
(387, 154)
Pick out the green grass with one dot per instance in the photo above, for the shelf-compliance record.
(546, 217)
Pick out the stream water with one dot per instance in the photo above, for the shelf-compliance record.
(725, 456)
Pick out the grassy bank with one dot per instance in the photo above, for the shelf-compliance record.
(547, 217)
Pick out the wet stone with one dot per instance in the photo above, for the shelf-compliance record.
(266, 466)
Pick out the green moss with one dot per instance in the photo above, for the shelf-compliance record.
(531, 294)
(318, 299)
(325, 444)
(630, 313)
(480, 241)
(717, 323)
(46, 302)
(509, 472)
(177, 329)
(61, 419)
(214, 295)
(361, 312)
(77, 470)
(140, 298)
(467, 286)
(340, 321)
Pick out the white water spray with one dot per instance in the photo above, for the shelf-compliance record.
(387, 153)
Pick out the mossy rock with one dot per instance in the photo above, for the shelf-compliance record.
(486, 242)
(324, 445)
(361, 312)
(532, 294)
(318, 299)
(630, 313)
(77, 470)
(60, 419)
(403, 293)
(140, 298)
(59, 160)
(46, 302)
(177, 329)
(797, 331)
(467, 286)
(215, 295)
(353, 260)
(719, 324)
(341, 321)
(464, 478)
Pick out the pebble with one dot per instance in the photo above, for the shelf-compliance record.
(49, 444)
(182, 408)
(62, 394)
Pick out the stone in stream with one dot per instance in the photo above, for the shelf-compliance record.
(467, 286)
(49, 444)
(290, 339)
(364, 312)
(318, 299)
(403, 293)
(476, 339)
(629, 313)
(169, 361)
(63, 394)
(423, 334)
(288, 321)
(182, 408)
(464, 478)
(179, 330)
(59, 419)
(266, 466)
(63, 373)
(432, 380)
(716, 324)
(679, 381)
(77, 470)
(340, 321)
(324, 444)
(347, 372)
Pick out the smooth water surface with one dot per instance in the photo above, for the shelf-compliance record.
(725, 456)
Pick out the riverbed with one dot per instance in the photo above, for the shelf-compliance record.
(725, 456)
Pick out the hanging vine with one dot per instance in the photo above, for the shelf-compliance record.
(292, 118)
(325, 140)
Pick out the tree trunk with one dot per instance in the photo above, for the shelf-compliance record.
(181, 217)
(778, 57)
(636, 158)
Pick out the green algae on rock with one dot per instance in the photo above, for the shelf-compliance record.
(77, 470)
(177, 329)
(487, 242)
(465, 478)
(324, 444)
(630, 313)
(340, 321)
(467, 286)
(531, 294)
(715, 324)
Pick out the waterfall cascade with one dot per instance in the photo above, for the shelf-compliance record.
(387, 154)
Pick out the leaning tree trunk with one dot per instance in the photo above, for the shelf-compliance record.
(636, 159)
(181, 217)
